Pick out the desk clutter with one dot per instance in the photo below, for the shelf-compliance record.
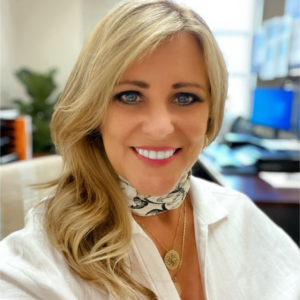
(248, 154)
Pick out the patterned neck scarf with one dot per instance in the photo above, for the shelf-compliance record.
(146, 205)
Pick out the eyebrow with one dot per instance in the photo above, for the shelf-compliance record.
(179, 85)
(141, 84)
(175, 86)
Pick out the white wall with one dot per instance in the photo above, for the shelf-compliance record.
(38, 35)
(93, 11)
(41, 35)
(7, 55)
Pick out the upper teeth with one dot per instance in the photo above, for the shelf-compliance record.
(155, 154)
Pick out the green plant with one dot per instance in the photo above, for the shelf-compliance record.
(40, 106)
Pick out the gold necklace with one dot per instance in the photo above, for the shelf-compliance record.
(172, 259)
(177, 285)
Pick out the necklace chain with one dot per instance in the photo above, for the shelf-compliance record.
(182, 247)
(174, 277)
(158, 239)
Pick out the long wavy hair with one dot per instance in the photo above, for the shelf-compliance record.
(87, 219)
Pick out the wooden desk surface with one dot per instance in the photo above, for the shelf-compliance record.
(251, 185)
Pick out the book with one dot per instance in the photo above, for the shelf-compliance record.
(23, 142)
(16, 136)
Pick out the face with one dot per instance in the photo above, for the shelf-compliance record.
(156, 123)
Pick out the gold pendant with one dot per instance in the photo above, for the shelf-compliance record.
(172, 260)
(178, 288)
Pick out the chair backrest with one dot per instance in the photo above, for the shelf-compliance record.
(17, 197)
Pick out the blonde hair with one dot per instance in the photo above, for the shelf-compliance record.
(87, 219)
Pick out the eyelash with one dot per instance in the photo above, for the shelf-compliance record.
(118, 97)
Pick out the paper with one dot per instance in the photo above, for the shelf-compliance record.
(281, 180)
(280, 144)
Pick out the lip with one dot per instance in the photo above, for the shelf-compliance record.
(165, 148)
(157, 162)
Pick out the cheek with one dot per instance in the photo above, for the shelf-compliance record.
(117, 127)
(113, 133)
(195, 126)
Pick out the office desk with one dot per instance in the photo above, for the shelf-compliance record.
(281, 205)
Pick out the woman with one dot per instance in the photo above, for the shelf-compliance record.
(127, 220)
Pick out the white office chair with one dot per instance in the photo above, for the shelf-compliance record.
(16, 196)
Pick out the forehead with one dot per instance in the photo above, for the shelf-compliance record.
(177, 59)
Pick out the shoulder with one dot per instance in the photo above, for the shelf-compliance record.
(233, 201)
(31, 268)
(249, 244)
(243, 220)
(216, 189)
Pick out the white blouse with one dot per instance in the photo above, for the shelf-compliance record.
(242, 255)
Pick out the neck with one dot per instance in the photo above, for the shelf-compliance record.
(147, 205)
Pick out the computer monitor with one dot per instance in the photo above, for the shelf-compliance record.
(272, 107)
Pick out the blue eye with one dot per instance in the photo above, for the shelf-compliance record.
(185, 99)
(128, 97)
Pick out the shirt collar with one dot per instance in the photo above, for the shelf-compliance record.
(205, 205)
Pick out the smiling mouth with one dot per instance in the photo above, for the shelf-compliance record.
(156, 155)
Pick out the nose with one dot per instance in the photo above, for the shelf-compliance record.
(158, 122)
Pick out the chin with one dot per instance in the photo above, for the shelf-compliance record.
(155, 186)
